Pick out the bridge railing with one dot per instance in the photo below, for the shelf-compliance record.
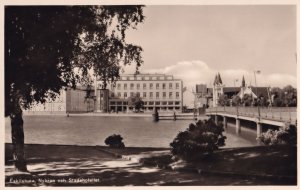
(288, 114)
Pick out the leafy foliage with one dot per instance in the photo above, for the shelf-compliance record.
(247, 100)
(135, 102)
(236, 100)
(285, 135)
(285, 97)
(50, 47)
(115, 141)
(198, 140)
(223, 100)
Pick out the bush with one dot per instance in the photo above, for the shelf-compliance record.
(285, 135)
(198, 140)
(115, 141)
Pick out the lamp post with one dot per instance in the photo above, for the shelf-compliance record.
(258, 110)
(235, 80)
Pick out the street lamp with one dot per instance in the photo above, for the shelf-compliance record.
(257, 72)
(235, 80)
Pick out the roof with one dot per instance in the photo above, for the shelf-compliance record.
(260, 91)
(201, 88)
(218, 79)
(231, 89)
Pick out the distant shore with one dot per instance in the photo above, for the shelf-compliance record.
(120, 114)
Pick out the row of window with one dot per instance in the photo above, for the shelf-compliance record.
(164, 103)
(150, 94)
(148, 78)
(151, 86)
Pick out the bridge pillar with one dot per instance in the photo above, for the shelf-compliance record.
(225, 122)
(216, 119)
(258, 129)
(238, 126)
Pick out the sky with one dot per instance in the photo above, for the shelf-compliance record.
(195, 42)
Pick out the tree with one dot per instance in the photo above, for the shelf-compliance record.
(223, 100)
(47, 48)
(285, 135)
(115, 141)
(236, 100)
(135, 102)
(89, 96)
(290, 96)
(247, 100)
(198, 140)
(284, 97)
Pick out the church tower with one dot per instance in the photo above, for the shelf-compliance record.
(217, 89)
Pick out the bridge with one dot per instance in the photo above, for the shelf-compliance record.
(276, 116)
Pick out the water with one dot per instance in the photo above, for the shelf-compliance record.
(92, 130)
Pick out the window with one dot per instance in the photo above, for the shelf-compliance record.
(164, 94)
(170, 103)
(137, 94)
(112, 94)
(151, 103)
(157, 94)
(151, 94)
(164, 103)
(131, 86)
(170, 95)
(177, 85)
(131, 94)
(164, 86)
(119, 94)
(119, 86)
(144, 86)
(177, 94)
(177, 103)
(128, 78)
(125, 94)
(143, 78)
(144, 94)
(170, 86)
(157, 85)
(138, 86)
(151, 86)
(125, 86)
(157, 103)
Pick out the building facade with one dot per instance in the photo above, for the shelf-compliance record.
(254, 92)
(58, 105)
(157, 91)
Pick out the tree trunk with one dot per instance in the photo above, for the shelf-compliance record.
(17, 135)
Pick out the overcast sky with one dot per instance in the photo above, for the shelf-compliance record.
(195, 42)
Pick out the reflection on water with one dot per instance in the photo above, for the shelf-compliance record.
(91, 130)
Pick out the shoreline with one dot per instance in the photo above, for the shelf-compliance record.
(110, 114)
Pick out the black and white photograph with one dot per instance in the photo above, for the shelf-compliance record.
(122, 94)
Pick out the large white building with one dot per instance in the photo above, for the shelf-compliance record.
(159, 91)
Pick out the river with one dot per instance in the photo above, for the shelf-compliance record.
(92, 130)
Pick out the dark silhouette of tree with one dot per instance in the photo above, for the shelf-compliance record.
(285, 97)
(50, 47)
(236, 100)
(247, 100)
(135, 102)
(223, 100)
(89, 96)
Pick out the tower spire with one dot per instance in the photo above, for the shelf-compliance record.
(243, 82)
